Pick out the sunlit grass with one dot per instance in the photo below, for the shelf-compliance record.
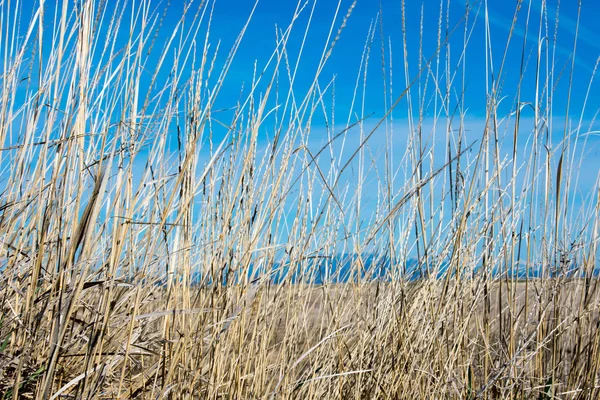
(156, 243)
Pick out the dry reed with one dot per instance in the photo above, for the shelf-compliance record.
(141, 226)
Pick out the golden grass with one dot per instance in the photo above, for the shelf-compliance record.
(128, 195)
(372, 340)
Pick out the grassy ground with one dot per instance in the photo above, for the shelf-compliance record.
(374, 340)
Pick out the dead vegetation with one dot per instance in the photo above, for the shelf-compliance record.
(141, 227)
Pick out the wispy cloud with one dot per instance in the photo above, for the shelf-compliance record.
(586, 35)
(504, 22)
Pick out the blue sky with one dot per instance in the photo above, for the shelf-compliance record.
(345, 63)
(259, 42)
(346, 67)
(346, 59)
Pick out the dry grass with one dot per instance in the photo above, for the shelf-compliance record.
(140, 223)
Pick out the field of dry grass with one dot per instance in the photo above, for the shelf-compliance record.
(141, 224)
(367, 341)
